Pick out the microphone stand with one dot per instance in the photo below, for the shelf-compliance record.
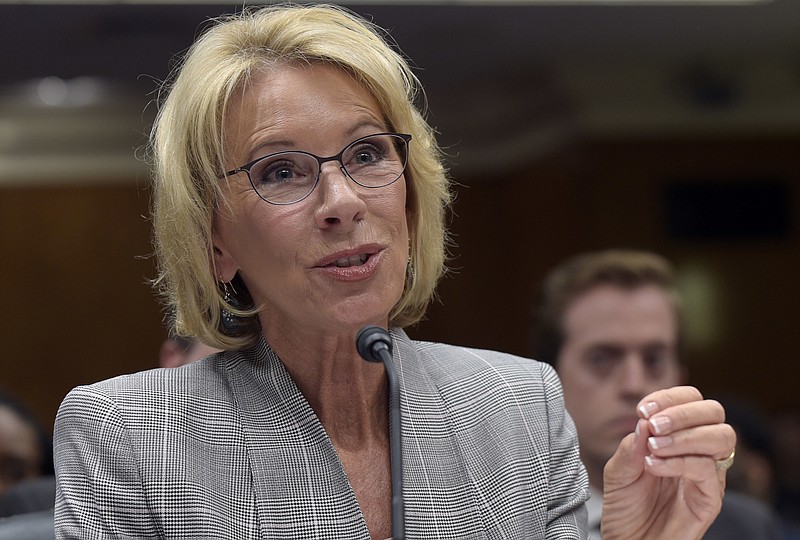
(375, 345)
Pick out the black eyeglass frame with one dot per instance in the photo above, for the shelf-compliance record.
(405, 137)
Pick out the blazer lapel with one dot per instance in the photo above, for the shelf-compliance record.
(439, 495)
(300, 487)
(299, 482)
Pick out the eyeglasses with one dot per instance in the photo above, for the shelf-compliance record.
(288, 177)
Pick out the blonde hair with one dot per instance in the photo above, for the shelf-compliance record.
(187, 147)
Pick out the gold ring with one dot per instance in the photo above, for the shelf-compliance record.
(725, 464)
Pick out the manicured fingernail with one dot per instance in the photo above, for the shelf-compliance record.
(660, 424)
(648, 408)
(653, 461)
(636, 431)
(659, 442)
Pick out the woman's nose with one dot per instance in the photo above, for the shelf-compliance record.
(341, 204)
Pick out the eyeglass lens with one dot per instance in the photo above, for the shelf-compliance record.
(371, 162)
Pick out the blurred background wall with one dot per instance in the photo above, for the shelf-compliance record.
(673, 127)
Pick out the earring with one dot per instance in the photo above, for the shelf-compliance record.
(236, 296)
(410, 273)
(227, 319)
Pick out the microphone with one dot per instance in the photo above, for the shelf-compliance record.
(375, 345)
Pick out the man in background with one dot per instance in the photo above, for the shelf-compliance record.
(25, 448)
(27, 481)
(609, 322)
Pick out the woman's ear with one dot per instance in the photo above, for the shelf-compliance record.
(225, 266)
(410, 223)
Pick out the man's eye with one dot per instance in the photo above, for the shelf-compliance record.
(599, 359)
(656, 362)
(602, 362)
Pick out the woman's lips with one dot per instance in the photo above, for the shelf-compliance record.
(349, 257)
(355, 265)
(355, 260)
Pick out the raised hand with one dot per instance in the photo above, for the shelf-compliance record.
(667, 479)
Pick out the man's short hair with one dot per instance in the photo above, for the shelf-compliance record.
(573, 278)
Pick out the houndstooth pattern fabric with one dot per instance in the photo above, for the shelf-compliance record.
(229, 448)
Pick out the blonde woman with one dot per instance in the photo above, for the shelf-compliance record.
(299, 196)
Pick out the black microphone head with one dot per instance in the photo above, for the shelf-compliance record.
(372, 339)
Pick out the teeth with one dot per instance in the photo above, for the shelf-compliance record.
(356, 260)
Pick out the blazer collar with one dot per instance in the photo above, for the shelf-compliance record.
(286, 443)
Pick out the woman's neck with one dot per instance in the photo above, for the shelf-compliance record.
(349, 395)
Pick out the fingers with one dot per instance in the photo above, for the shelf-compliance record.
(679, 408)
(628, 462)
(703, 485)
(672, 454)
(697, 413)
(693, 468)
(715, 441)
(697, 471)
(681, 423)
(669, 397)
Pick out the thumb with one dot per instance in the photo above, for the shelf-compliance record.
(627, 463)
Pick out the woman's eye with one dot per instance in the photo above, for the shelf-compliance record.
(366, 155)
(282, 175)
(278, 173)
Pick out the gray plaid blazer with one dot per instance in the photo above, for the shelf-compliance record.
(228, 447)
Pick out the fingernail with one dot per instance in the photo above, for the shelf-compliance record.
(659, 442)
(660, 424)
(653, 461)
(648, 408)
(636, 431)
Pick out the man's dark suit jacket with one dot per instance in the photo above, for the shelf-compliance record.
(743, 517)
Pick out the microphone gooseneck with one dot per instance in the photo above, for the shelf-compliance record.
(374, 344)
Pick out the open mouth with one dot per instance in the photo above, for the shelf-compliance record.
(355, 260)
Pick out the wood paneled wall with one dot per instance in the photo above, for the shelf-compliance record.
(78, 307)
(74, 277)
(511, 230)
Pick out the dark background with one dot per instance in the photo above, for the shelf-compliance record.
(674, 128)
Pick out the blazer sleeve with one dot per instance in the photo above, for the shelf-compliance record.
(99, 491)
(569, 487)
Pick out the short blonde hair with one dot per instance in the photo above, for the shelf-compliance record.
(187, 147)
